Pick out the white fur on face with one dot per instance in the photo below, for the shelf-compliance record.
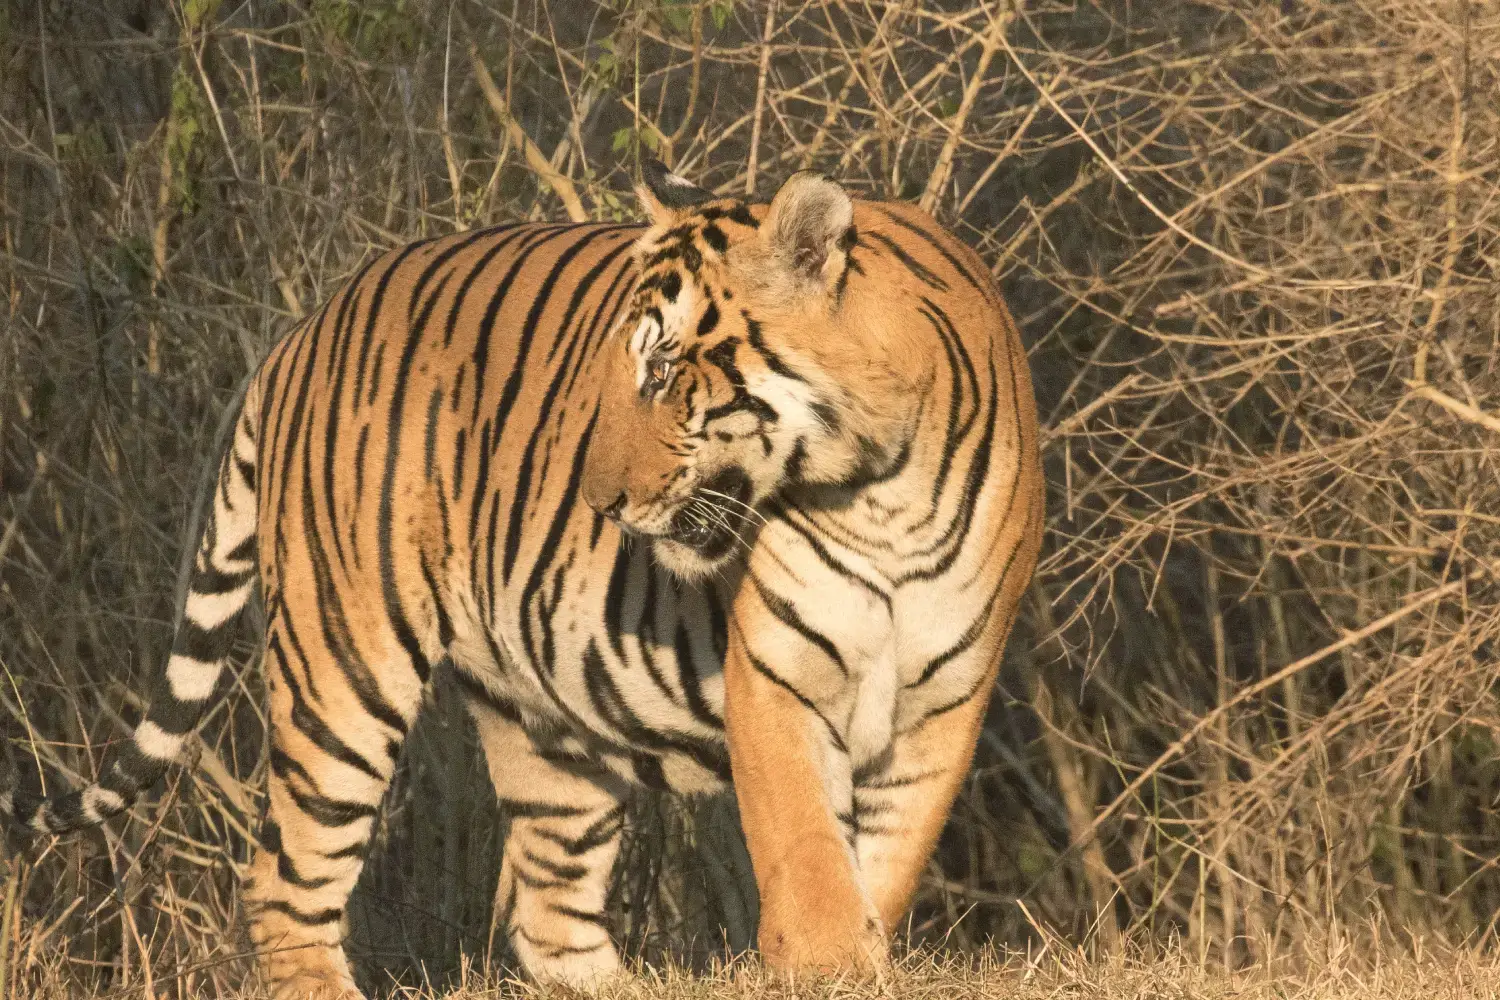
(793, 402)
(666, 337)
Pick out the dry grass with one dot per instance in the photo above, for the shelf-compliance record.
(992, 975)
(1253, 247)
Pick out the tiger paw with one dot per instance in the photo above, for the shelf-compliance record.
(315, 988)
(826, 947)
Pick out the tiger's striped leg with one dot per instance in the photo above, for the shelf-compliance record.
(900, 810)
(567, 813)
(335, 732)
(901, 807)
(792, 780)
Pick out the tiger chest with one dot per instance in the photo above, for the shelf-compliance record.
(830, 621)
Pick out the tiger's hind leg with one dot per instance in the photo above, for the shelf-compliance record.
(336, 729)
(567, 813)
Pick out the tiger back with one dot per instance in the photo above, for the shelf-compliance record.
(745, 496)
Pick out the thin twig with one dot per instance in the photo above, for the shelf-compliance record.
(760, 95)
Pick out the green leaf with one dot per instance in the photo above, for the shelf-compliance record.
(621, 139)
(196, 12)
(720, 13)
(948, 106)
(677, 15)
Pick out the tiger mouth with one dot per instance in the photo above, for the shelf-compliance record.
(713, 520)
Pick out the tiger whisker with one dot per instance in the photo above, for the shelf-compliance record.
(750, 515)
(700, 507)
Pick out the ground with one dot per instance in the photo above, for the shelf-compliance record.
(1344, 971)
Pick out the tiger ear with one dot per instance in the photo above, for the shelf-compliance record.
(665, 194)
(808, 228)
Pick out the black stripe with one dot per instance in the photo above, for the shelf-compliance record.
(721, 356)
(458, 245)
(599, 833)
(289, 874)
(211, 581)
(316, 918)
(242, 552)
(246, 471)
(756, 338)
(524, 809)
(359, 488)
(581, 291)
(611, 707)
(483, 494)
(976, 627)
(687, 676)
(171, 714)
(826, 557)
(561, 870)
(477, 691)
(429, 437)
(769, 674)
(957, 360)
(561, 515)
(788, 616)
(584, 916)
(390, 592)
(459, 451)
(649, 772)
(913, 265)
(610, 307)
(342, 339)
(130, 771)
(445, 622)
(320, 808)
(552, 949)
(299, 403)
(377, 368)
(614, 598)
(715, 238)
(535, 239)
(958, 528)
(207, 645)
(338, 637)
(870, 783)
(309, 724)
(645, 635)
(709, 320)
(354, 849)
(669, 284)
(985, 287)
(367, 338)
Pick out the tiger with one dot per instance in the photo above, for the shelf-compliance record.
(743, 496)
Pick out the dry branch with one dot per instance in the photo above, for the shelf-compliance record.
(535, 158)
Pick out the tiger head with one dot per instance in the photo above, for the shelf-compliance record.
(743, 365)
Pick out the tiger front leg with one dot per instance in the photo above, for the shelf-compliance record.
(792, 779)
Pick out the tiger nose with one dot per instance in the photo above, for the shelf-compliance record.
(613, 508)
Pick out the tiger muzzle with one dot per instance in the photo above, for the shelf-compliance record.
(711, 520)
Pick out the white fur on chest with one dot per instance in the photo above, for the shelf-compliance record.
(888, 636)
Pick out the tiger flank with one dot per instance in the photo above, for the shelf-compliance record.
(749, 494)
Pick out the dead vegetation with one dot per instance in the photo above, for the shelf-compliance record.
(1253, 248)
